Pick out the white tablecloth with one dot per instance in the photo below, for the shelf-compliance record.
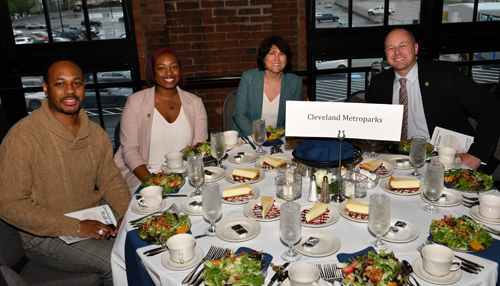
(354, 236)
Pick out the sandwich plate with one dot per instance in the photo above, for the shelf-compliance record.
(259, 163)
(384, 184)
(328, 243)
(254, 210)
(247, 157)
(343, 212)
(225, 232)
(229, 178)
(385, 170)
(240, 199)
(330, 217)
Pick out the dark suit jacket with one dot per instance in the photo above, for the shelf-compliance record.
(449, 97)
(251, 94)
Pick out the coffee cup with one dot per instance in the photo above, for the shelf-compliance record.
(446, 155)
(173, 160)
(439, 260)
(303, 274)
(231, 137)
(489, 206)
(181, 247)
(151, 196)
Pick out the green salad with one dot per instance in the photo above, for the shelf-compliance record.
(159, 228)
(274, 133)
(235, 269)
(469, 180)
(202, 148)
(374, 269)
(405, 145)
(169, 182)
(460, 233)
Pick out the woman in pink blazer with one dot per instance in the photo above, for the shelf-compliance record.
(158, 120)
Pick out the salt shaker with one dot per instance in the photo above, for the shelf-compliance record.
(313, 190)
(325, 191)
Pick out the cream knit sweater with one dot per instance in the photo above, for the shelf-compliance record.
(46, 172)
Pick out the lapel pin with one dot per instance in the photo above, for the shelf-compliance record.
(426, 83)
(149, 114)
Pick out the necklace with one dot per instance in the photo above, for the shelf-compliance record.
(168, 105)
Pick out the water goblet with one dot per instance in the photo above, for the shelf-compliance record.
(290, 229)
(212, 205)
(196, 174)
(433, 185)
(418, 151)
(259, 134)
(218, 147)
(372, 153)
(379, 219)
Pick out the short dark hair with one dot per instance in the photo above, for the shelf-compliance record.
(55, 61)
(412, 36)
(283, 46)
(150, 68)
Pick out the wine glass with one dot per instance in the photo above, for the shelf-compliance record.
(212, 205)
(433, 185)
(218, 147)
(195, 173)
(379, 219)
(372, 153)
(259, 134)
(290, 229)
(418, 151)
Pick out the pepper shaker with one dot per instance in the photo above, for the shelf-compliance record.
(325, 191)
(313, 190)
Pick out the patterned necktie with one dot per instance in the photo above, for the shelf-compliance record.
(403, 99)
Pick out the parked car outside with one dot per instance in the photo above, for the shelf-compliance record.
(121, 19)
(327, 17)
(60, 39)
(23, 40)
(20, 25)
(73, 35)
(30, 81)
(34, 100)
(40, 35)
(115, 76)
(66, 27)
(92, 23)
(326, 64)
(380, 10)
(93, 30)
(76, 9)
(33, 26)
(17, 32)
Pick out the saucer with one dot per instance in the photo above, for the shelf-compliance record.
(448, 166)
(328, 243)
(198, 256)
(321, 282)
(474, 212)
(138, 209)
(190, 210)
(450, 278)
(239, 143)
(180, 169)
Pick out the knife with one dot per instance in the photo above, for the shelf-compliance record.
(250, 142)
(276, 275)
(470, 262)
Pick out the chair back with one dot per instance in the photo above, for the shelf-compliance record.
(11, 248)
(117, 137)
(357, 97)
(227, 110)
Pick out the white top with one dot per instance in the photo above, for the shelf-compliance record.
(167, 137)
(417, 125)
(270, 110)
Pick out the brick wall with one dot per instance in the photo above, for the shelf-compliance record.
(218, 37)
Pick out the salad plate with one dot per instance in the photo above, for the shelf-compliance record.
(248, 157)
(464, 180)
(384, 184)
(254, 210)
(138, 209)
(328, 218)
(225, 232)
(189, 209)
(239, 143)
(328, 243)
(474, 212)
(447, 166)
(260, 161)
(321, 282)
(229, 178)
(347, 216)
(409, 233)
(385, 170)
(391, 159)
(168, 263)
(453, 198)
(171, 183)
(240, 199)
(180, 169)
(450, 278)
(218, 173)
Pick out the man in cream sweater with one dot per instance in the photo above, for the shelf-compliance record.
(51, 163)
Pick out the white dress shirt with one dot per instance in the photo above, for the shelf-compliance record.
(417, 125)
(270, 110)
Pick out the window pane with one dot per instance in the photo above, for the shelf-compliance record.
(404, 12)
(463, 12)
(28, 21)
(480, 73)
(115, 76)
(331, 14)
(108, 18)
(367, 13)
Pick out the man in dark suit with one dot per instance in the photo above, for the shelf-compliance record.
(438, 94)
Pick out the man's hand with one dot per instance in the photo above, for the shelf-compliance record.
(91, 228)
(469, 160)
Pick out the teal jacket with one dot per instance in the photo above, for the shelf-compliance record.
(251, 95)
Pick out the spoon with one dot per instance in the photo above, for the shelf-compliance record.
(408, 268)
(283, 277)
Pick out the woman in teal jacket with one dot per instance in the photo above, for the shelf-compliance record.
(263, 92)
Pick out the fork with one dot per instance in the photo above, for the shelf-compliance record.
(172, 209)
(209, 255)
(330, 273)
(469, 198)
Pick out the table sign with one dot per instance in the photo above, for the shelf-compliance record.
(325, 119)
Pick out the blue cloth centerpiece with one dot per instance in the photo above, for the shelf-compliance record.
(323, 150)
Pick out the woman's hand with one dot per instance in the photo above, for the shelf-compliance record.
(142, 172)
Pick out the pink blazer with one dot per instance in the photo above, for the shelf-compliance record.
(136, 124)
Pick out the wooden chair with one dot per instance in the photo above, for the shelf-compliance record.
(227, 110)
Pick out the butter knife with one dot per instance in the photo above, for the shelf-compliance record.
(470, 262)
(250, 142)
(276, 275)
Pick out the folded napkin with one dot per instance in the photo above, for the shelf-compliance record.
(343, 257)
(273, 143)
(323, 150)
(136, 274)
